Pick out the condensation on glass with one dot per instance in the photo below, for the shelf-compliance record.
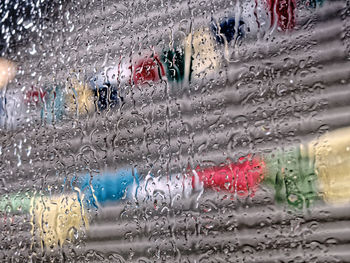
(174, 131)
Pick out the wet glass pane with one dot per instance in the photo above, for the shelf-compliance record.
(174, 131)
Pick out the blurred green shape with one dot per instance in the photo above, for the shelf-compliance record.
(16, 203)
(292, 175)
(174, 62)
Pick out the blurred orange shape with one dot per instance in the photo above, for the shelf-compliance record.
(7, 71)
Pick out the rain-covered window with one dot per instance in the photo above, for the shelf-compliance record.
(174, 131)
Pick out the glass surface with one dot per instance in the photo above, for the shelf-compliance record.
(174, 131)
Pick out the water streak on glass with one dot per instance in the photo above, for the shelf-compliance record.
(174, 131)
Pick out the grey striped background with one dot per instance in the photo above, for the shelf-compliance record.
(276, 92)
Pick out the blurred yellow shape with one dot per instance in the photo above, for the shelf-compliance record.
(201, 46)
(332, 161)
(80, 98)
(7, 71)
(57, 219)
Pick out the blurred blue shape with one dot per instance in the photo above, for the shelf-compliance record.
(106, 94)
(2, 111)
(227, 30)
(54, 106)
(313, 3)
(107, 187)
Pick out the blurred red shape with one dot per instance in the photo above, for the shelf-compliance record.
(284, 12)
(242, 177)
(34, 95)
(148, 69)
